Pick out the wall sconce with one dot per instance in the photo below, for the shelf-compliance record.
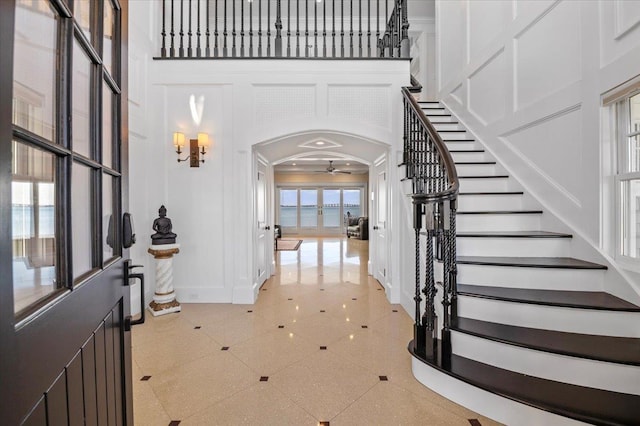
(197, 147)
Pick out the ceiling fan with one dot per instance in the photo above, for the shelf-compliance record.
(332, 170)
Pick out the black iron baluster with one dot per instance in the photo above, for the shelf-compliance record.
(181, 48)
(333, 29)
(351, 28)
(360, 28)
(225, 51)
(259, 28)
(419, 332)
(233, 29)
(324, 29)
(378, 27)
(198, 33)
(342, 28)
(242, 29)
(288, 28)
(207, 50)
(251, 29)
(268, 28)
(278, 44)
(298, 28)
(216, 52)
(163, 49)
(306, 28)
(189, 49)
(368, 28)
(315, 29)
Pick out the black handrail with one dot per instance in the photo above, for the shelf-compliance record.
(430, 167)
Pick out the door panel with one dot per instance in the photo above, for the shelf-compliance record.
(309, 210)
(261, 230)
(381, 222)
(65, 357)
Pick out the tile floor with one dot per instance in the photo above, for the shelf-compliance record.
(322, 344)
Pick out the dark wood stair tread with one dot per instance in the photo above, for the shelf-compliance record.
(621, 350)
(474, 163)
(444, 122)
(531, 262)
(571, 299)
(501, 212)
(459, 151)
(590, 405)
(459, 140)
(513, 234)
(484, 177)
(492, 193)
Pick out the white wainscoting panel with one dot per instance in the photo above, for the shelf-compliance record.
(486, 20)
(627, 16)
(278, 102)
(620, 29)
(488, 91)
(529, 8)
(452, 41)
(548, 54)
(364, 103)
(550, 146)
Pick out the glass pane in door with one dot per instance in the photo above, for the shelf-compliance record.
(33, 210)
(352, 202)
(331, 208)
(308, 208)
(289, 208)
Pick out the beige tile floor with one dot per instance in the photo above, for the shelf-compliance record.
(322, 332)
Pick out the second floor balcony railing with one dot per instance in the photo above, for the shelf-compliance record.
(348, 29)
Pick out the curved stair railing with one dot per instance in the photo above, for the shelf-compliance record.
(432, 172)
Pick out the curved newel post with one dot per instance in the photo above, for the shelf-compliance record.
(404, 31)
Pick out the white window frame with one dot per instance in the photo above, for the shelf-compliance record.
(623, 133)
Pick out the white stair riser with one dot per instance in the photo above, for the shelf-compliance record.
(487, 185)
(440, 117)
(463, 146)
(471, 156)
(577, 371)
(479, 169)
(497, 222)
(455, 135)
(532, 247)
(490, 202)
(434, 112)
(447, 126)
(573, 320)
(535, 278)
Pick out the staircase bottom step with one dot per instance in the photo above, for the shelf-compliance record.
(589, 405)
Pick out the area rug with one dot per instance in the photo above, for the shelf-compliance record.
(288, 245)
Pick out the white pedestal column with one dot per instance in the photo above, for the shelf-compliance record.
(164, 298)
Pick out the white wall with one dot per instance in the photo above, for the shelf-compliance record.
(527, 77)
(246, 102)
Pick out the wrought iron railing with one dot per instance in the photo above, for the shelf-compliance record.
(349, 29)
(432, 172)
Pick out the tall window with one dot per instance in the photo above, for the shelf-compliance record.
(65, 152)
(628, 176)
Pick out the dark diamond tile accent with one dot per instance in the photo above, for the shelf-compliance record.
(322, 310)
(249, 312)
(322, 289)
(323, 424)
(174, 422)
(365, 326)
(323, 348)
(281, 326)
(355, 298)
(145, 378)
(379, 289)
(264, 378)
(395, 310)
(264, 289)
(474, 422)
(225, 348)
(290, 298)
(383, 378)
(197, 327)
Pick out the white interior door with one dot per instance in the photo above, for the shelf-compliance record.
(261, 224)
(380, 222)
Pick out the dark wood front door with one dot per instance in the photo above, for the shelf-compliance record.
(64, 348)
